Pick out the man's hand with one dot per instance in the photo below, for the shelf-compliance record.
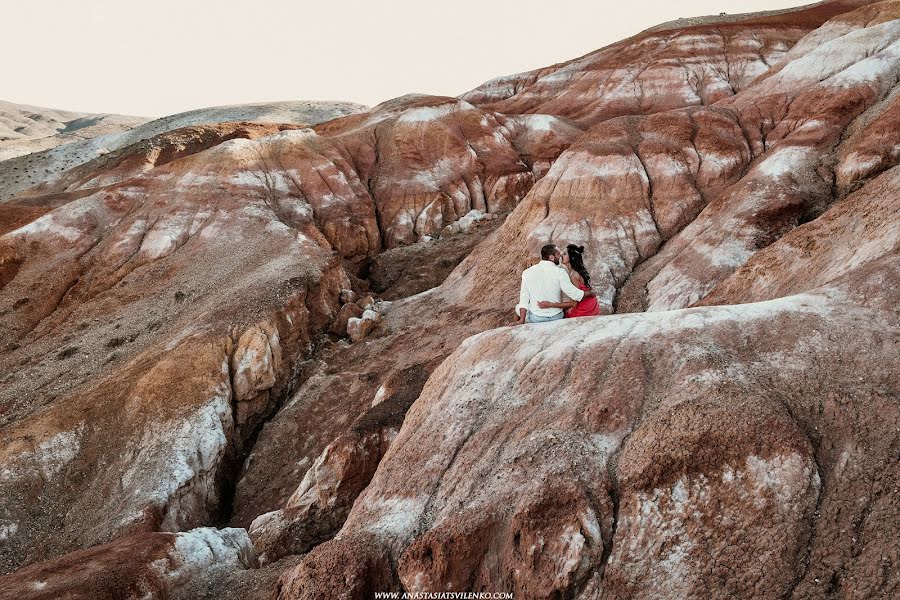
(590, 294)
(520, 316)
(545, 304)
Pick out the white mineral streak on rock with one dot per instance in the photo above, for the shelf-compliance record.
(45, 460)
(393, 518)
(204, 551)
(175, 467)
(676, 520)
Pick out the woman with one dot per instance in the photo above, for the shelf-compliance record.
(573, 259)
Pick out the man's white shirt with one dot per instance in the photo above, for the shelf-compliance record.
(545, 281)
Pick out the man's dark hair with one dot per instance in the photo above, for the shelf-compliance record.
(548, 251)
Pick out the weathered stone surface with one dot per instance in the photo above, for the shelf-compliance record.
(688, 62)
(409, 270)
(474, 296)
(167, 364)
(850, 234)
(137, 567)
(431, 160)
(360, 327)
(146, 342)
(138, 265)
(623, 456)
(458, 149)
(674, 452)
(143, 272)
(670, 204)
(317, 508)
(136, 159)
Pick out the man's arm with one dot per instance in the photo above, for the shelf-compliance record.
(522, 306)
(546, 304)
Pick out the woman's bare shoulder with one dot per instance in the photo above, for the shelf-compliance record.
(576, 278)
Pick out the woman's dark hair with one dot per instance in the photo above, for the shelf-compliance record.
(576, 261)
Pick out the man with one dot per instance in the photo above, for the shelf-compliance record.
(545, 281)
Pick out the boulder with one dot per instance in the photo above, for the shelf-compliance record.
(358, 328)
(348, 311)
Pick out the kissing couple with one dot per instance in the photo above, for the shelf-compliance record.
(544, 284)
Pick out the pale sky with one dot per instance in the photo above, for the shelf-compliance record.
(158, 57)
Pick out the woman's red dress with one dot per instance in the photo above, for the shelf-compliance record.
(588, 307)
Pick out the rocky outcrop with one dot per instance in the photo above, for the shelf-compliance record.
(122, 165)
(317, 508)
(429, 161)
(854, 232)
(604, 198)
(688, 62)
(137, 159)
(417, 198)
(198, 334)
(138, 265)
(142, 267)
(665, 218)
(671, 453)
(137, 567)
(409, 270)
(403, 172)
(527, 468)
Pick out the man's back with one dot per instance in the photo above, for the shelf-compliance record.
(543, 281)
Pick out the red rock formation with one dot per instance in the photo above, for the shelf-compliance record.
(197, 332)
(165, 369)
(137, 567)
(318, 507)
(138, 267)
(429, 161)
(421, 190)
(121, 165)
(670, 204)
(689, 453)
(854, 232)
(91, 136)
(148, 154)
(469, 506)
(689, 62)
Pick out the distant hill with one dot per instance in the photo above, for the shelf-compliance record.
(25, 129)
(52, 154)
